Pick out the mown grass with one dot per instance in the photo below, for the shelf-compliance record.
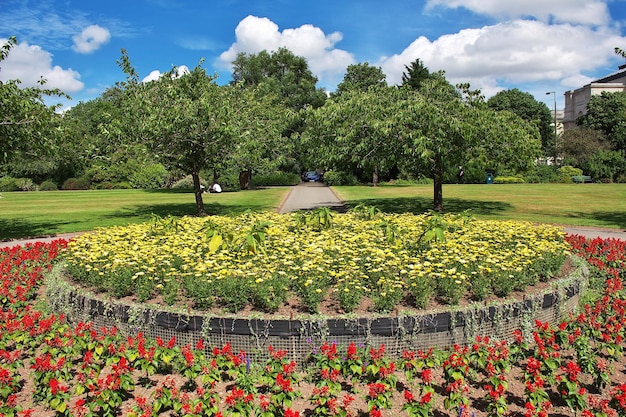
(27, 214)
(595, 205)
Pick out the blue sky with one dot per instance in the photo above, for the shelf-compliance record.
(537, 46)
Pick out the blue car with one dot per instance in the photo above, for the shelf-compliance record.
(311, 176)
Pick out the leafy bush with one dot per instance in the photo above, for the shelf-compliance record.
(76, 184)
(17, 184)
(230, 181)
(8, 184)
(509, 180)
(122, 186)
(542, 174)
(607, 165)
(277, 178)
(104, 185)
(186, 183)
(48, 186)
(411, 181)
(566, 173)
(149, 177)
(339, 178)
(26, 184)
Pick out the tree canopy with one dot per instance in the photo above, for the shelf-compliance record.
(528, 108)
(191, 123)
(361, 77)
(607, 113)
(356, 130)
(282, 73)
(382, 127)
(27, 124)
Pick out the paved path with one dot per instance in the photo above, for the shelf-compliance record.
(311, 195)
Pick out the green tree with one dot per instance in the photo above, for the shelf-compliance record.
(525, 106)
(361, 77)
(607, 113)
(471, 97)
(27, 125)
(192, 124)
(416, 73)
(580, 144)
(187, 123)
(262, 143)
(607, 166)
(281, 73)
(356, 130)
(451, 133)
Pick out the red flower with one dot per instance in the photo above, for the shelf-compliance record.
(284, 384)
(352, 351)
(375, 412)
(426, 398)
(408, 396)
(290, 413)
(427, 375)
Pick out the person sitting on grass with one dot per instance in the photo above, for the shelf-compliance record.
(215, 188)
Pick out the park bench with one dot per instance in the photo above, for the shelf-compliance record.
(580, 179)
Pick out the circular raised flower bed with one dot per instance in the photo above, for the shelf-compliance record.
(227, 279)
(436, 328)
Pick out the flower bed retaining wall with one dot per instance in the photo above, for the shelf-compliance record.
(438, 329)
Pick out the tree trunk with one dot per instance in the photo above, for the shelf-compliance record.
(244, 179)
(438, 185)
(216, 176)
(198, 192)
(375, 176)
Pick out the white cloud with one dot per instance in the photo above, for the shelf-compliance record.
(90, 39)
(29, 63)
(156, 74)
(515, 52)
(153, 76)
(588, 12)
(255, 34)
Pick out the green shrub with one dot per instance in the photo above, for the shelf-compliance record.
(339, 178)
(412, 181)
(149, 177)
(8, 184)
(26, 184)
(542, 174)
(277, 178)
(76, 184)
(566, 173)
(17, 184)
(124, 185)
(48, 186)
(229, 181)
(508, 180)
(104, 185)
(185, 183)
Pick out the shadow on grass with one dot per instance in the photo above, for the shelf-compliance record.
(13, 229)
(419, 205)
(179, 209)
(610, 218)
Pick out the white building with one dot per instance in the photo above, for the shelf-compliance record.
(576, 101)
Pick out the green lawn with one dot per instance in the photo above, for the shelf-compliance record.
(598, 205)
(26, 214)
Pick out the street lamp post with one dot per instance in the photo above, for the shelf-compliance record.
(555, 131)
